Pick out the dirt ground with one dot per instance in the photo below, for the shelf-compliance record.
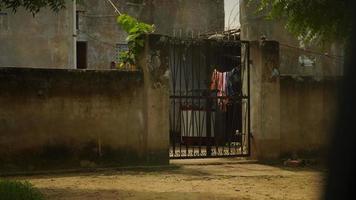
(187, 179)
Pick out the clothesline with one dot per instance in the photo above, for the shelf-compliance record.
(116, 9)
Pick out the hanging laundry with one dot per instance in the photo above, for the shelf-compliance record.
(226, 84)
(214, 80)
(219, 84)
(233, 82)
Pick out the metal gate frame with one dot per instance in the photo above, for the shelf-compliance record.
(180, 149)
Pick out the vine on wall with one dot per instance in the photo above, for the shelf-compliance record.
(135, 40)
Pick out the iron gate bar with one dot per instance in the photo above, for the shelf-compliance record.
(190, 120)
(207, 97)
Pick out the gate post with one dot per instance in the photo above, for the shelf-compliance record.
(265, 100)
(154, 64)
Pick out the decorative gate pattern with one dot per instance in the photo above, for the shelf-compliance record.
(209, 112)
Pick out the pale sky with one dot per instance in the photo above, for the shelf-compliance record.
(232, 18)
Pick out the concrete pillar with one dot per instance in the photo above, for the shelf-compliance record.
(265, 100)
(154, 64)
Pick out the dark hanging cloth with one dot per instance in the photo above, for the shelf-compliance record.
(233, 82)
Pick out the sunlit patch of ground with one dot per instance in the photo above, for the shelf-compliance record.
(190, 179)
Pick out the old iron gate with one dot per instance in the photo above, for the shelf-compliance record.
(210, 100)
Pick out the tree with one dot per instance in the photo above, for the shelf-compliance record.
(32, 6)
(321, 20)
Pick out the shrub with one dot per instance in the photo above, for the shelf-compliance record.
(16, 190)
(135, 30)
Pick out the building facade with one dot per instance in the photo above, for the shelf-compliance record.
(86, 35)
(43, 41)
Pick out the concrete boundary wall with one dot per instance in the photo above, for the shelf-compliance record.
(61, 119)
(308, 115)
(288, 115)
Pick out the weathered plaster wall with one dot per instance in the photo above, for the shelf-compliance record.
(154, 62)
(288, 116)
(308, 111)
(98, 23)
(98, 27)
(265, 100)
(186, 16)
(56, 118)
(45, 40)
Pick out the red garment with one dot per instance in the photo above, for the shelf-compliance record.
(218, 82)
(214, 80)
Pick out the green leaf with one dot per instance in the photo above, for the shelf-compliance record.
(135, 30)
(127, 22)
(310, 20)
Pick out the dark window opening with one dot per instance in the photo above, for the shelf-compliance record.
(121, 47)
(82, 48)
(77, 20)
(3, 21)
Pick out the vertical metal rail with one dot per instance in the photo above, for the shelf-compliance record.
(193, 112)
(248, 100)
(173, 79)
(180, 101)
(208, 111)
(199, 100)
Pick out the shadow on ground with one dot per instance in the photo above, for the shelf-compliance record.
(103, 194)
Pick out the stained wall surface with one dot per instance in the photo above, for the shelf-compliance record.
(41, 41)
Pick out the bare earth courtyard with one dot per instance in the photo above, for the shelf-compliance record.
(188, 179)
